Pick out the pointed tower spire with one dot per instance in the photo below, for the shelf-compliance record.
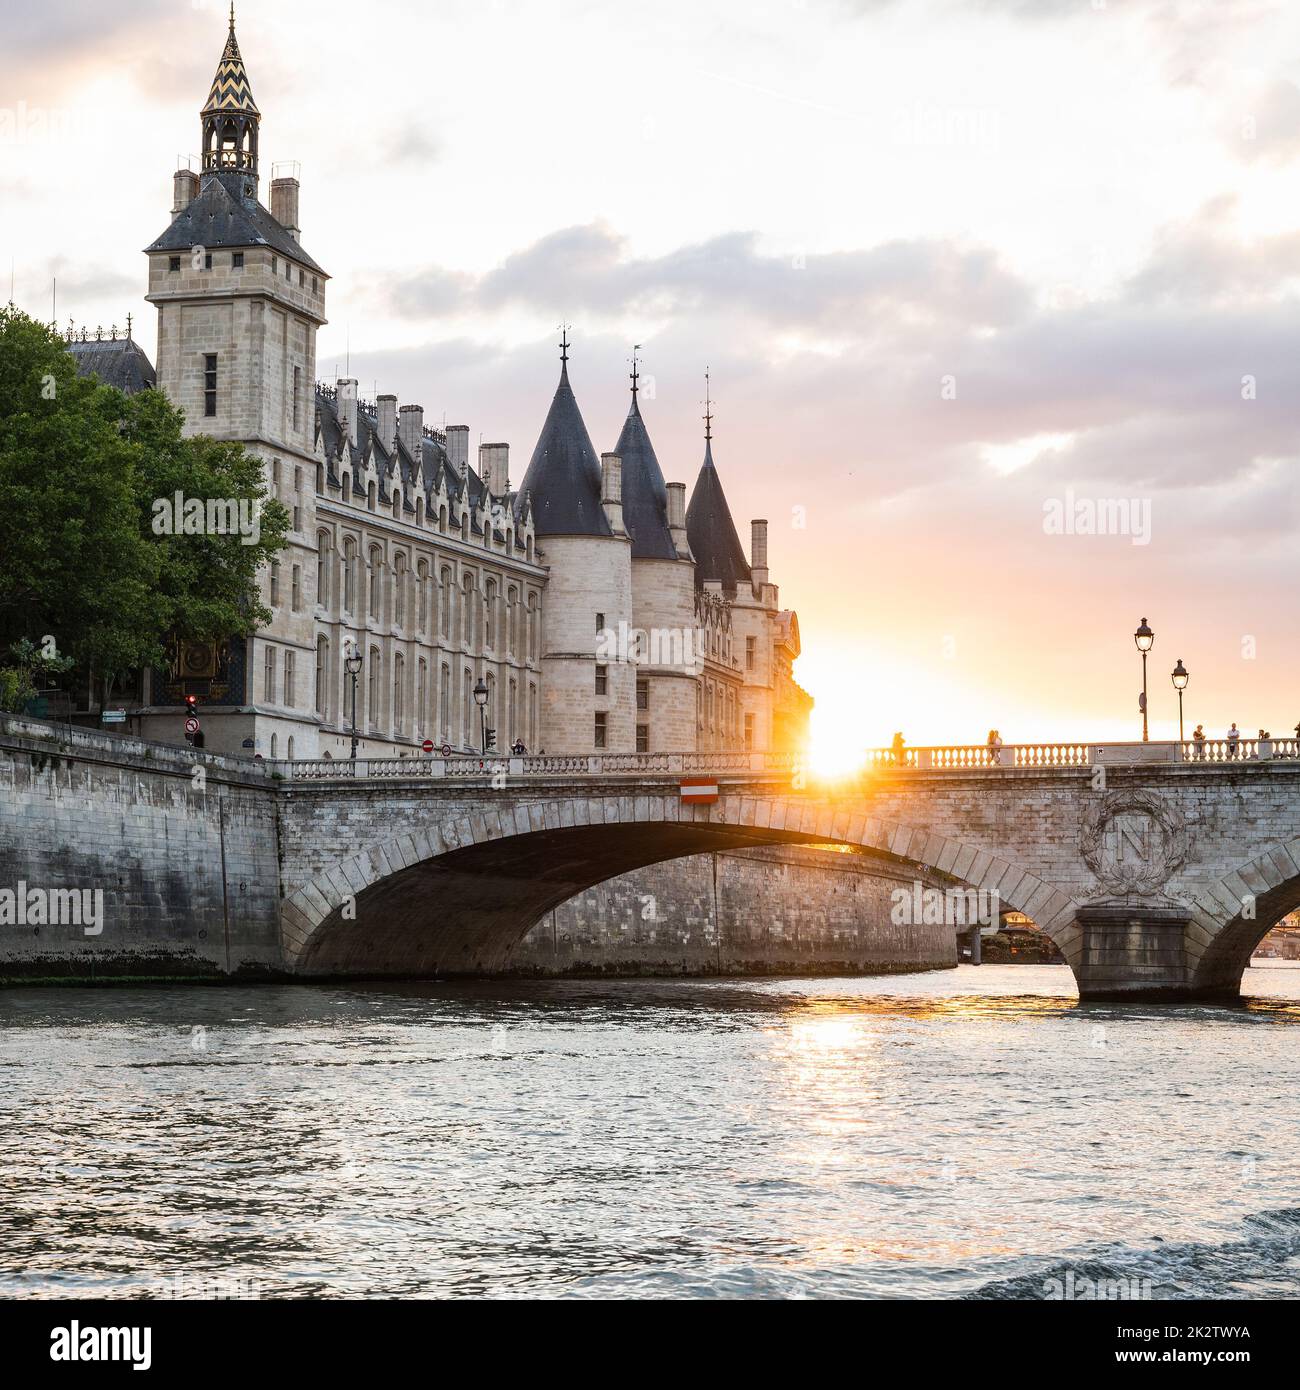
(230, 115)
(645, 496)
(719, 555)
(635, 375)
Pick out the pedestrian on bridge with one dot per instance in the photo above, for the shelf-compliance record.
(1234, 737)
(995, 747)
(899, 748)
(1198, 742)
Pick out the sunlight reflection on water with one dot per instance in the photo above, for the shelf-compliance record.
(889, 1136)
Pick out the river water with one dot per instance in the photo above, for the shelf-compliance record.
(969, 1132)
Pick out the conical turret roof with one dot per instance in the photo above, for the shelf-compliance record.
(719, 556)
(230, 87)
(563, 477)
(645, 498)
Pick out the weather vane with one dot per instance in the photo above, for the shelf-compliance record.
(564, 342)
(636, 347)
(708, 409)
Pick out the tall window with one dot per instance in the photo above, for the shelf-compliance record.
(268, 678)
(275, 583)
(512, 620)
(750, 651)
(466, 705)
(467, 612)
(602, 680)
(749, 731)
(322, 568)
(643, 695)
(372, 690)
(489, 615)
(289, 664)
(421, 695)
(376, 565)
(297, 498)
(399, 591)
(322, 666)
(444, 702)
(444, 601)
(512, 722)
(602, 728)
(297, 399)
(422, 585)
(297, 587)
(643, 738)
(210, 383)
(350, 575)
(532, 717)
(399, 705)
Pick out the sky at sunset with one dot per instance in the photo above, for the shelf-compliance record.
(952, 266)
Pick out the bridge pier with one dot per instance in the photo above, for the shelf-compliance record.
(1134, 951)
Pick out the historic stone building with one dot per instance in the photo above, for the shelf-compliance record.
(598, 610)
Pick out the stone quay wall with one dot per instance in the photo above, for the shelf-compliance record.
(786, 911)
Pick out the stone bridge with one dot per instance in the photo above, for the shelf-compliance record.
(1156, 868)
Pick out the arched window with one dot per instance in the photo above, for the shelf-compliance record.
(442, 519)
(275, 583)
(489, 615)
(399, 591)
(322, 670)
(512, 619)
(421, 696)
(422, 586)
(467, 611)
(445, 592)
(532, 718)
(419, 511)
(399, 704)
(466, 705)
(376, 582)
(323, 568)
(288, 752)
(273, 746)
(534, 622)
(370, 494)
(512, 713)
(350, 575)
(373, 688)
(444, 702)
(464, 524)
(397, 503)
(347, 487)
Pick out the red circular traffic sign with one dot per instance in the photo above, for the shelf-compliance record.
(446, 750)
(191, 725)
(427, 745)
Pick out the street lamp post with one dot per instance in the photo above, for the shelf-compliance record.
(1180, 678)
(481, 699)
(352, 665)
(1144, 638)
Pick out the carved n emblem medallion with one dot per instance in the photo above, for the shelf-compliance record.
(1133, 841)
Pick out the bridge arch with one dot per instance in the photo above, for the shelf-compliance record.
(456, 893)
(1238, 912)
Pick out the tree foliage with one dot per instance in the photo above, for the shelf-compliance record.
(81, 466)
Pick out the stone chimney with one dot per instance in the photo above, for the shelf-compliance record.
(494, 467)
(347, 405)
(611, 491)
(458, 448)
(185, 188)
(677, 518)
(284, 204)
(758, 553)
(386, 420)
(410, 428)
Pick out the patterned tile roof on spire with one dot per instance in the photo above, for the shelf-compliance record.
(230, 87)
(719, 555)
(563, 477)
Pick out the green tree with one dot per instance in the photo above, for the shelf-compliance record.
(81, 467)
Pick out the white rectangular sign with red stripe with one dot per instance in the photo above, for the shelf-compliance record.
(699, 791)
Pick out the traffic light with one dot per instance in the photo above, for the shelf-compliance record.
(491, 741)
(190, 702)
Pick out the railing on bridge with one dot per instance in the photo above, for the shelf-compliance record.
(936, 758)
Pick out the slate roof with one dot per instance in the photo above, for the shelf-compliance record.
(222, 216)
(719, 556)
(116, 362)
(645, 498)
(563, 476)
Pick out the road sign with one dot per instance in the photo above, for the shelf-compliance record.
(427, 745)
(446, 750)
(112, 716)
(699, 791)
(191, 725)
